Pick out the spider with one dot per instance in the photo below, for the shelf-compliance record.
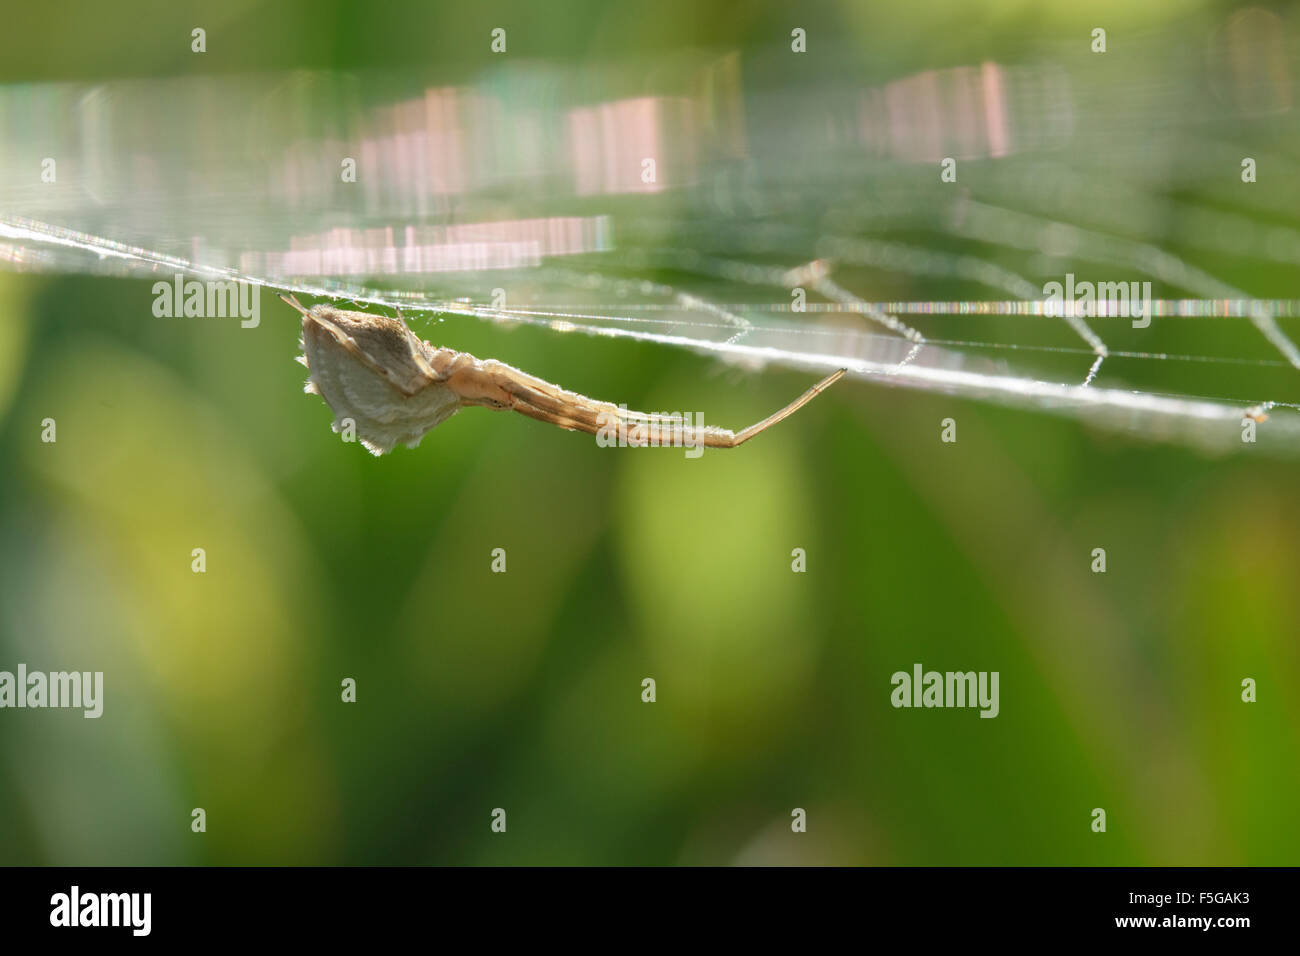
(396, 387)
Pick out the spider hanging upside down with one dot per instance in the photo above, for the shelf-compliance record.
(396, 387)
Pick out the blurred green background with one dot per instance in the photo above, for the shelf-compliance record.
(522, 690)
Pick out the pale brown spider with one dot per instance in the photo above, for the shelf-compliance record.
(396, 387)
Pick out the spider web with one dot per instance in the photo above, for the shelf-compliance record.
(799, 241)
(880, 342)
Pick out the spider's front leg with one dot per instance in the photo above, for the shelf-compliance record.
(545, 402)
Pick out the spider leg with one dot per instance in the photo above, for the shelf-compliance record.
(549, 403)
(637, 429)
(528, 394)
(746, 434)
(545, 402)
(293, 301)
(552, 418)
